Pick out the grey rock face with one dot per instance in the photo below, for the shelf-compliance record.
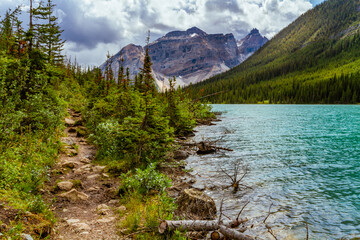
(191, 56)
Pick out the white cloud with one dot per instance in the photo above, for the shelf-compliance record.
(92, 27)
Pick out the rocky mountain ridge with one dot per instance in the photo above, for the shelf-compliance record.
(191, 56)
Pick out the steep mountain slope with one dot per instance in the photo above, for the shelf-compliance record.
(313, 60)
(191, 56)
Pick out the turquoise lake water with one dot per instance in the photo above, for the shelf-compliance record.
(305, 159)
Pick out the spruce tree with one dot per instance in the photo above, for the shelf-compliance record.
(121, 72)
(146, 70)
(49, 32)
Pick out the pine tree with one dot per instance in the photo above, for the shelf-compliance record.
(9, 39)
(127, 79)
(48, 32)
(146, 70)
(121, 72)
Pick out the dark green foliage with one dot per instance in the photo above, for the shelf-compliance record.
(299, 64)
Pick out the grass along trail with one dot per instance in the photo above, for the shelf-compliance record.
(84, 196)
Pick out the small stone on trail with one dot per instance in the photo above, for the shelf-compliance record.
(93, 189)
(98, 168)
(68, 164)
(106, 220)
(82, 226)
(67, 140)
(85, 160)
(113, 202)
(83, 169)
(72, 221)
(105, 175)
(102, 206)
(69, 122)
(26, 237)
(103, 209)
(74, 195)
(65, 186)
(71, 152)
(84, 233)
(93, 176)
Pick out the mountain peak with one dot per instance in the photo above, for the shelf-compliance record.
(252, 42)
(196, 31)
(254, 31)
(190, 31)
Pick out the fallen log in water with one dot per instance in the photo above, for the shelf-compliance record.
(206, 148)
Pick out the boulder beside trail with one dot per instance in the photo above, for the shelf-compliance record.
(195, 204)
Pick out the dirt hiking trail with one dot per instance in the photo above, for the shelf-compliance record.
(83, 196)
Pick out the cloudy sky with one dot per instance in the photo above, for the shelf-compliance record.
(94, 27)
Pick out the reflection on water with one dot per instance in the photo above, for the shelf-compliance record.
(303, 159)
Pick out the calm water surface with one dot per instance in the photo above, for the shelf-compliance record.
(305, 159)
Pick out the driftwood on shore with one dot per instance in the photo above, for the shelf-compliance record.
(219, 228)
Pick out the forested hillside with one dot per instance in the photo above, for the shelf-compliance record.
(313, 60)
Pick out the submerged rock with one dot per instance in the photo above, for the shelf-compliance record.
(181, 155)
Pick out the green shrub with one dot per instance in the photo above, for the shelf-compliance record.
(36, 204)
(143, 181)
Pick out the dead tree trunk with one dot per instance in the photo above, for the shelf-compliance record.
(188, 225)
(216, 235)
(197, 225)
(233, 234)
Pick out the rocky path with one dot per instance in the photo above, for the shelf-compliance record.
(85, 196)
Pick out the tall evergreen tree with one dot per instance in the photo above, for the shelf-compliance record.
(146, 70)
(49, 32)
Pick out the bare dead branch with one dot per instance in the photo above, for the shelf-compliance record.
(269, 213)
(221, 209)
(307, 231)
(242, 209)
